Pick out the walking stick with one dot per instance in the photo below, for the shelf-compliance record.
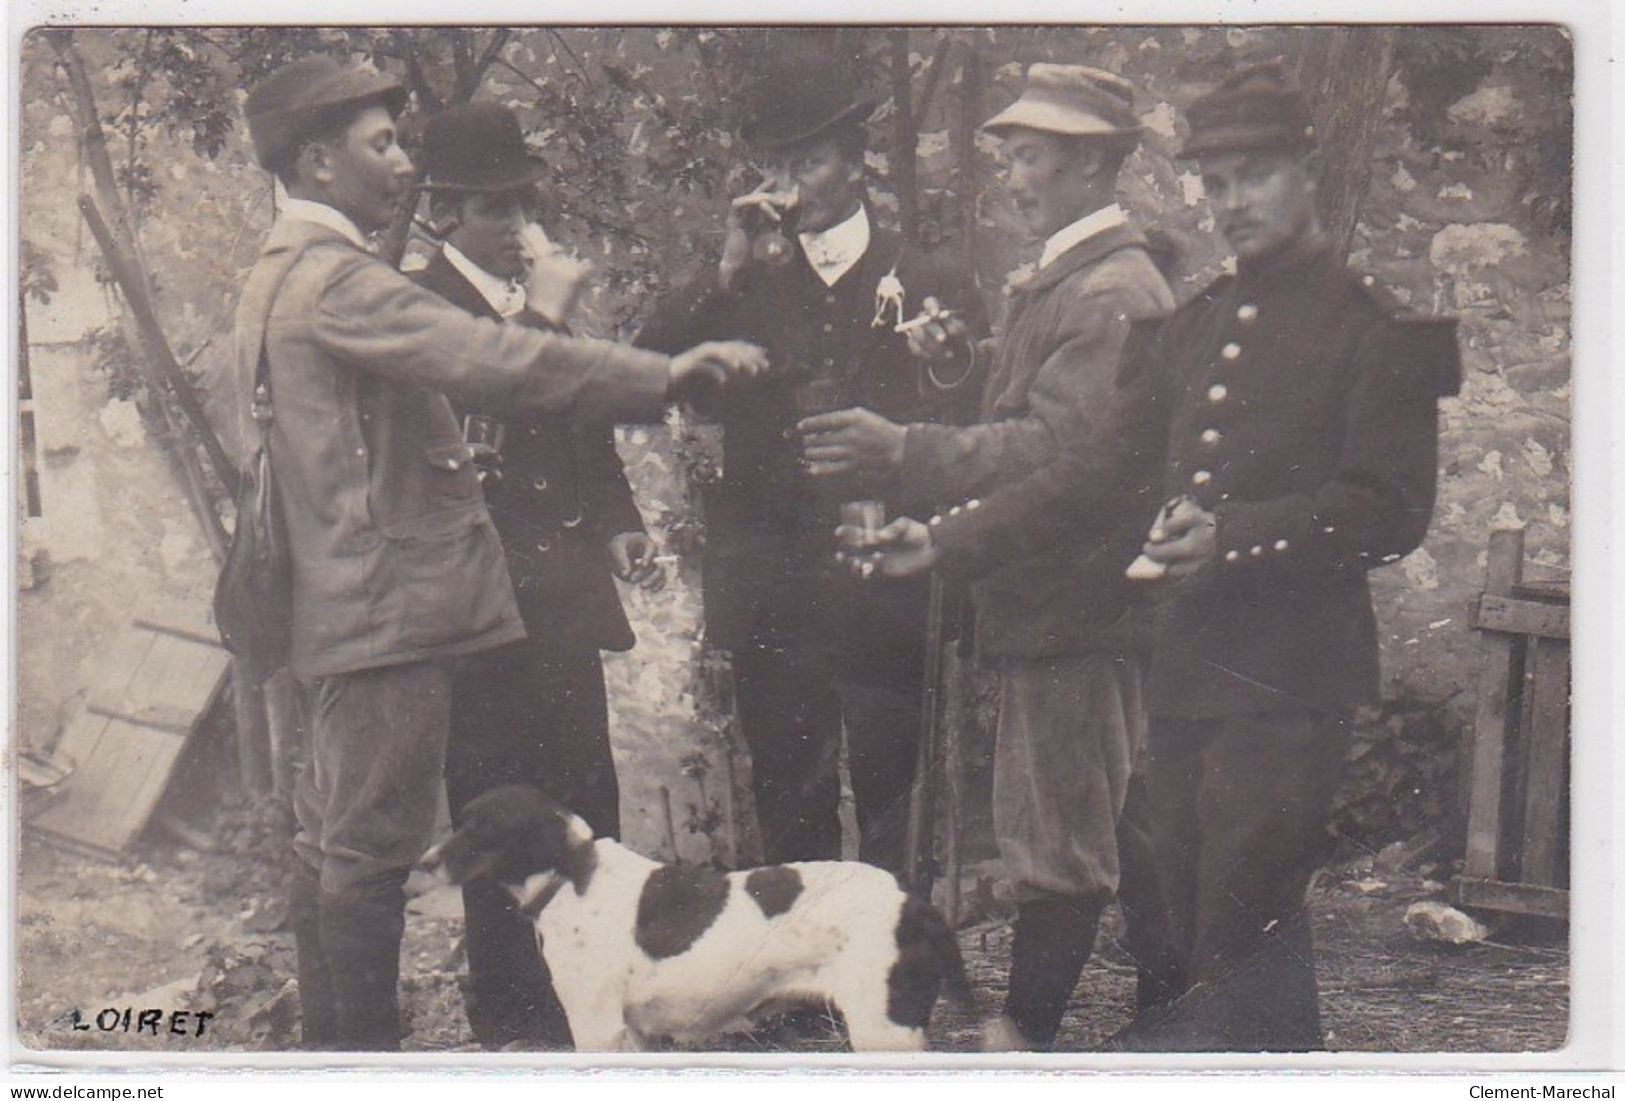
(918, 863)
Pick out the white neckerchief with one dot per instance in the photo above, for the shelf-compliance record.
(833, 251)
(505, 296)
(308, 210)
(1107, 217)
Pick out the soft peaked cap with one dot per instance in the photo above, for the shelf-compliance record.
(1070, 99)
(302, 98)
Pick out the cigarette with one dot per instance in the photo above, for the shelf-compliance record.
(921, 321)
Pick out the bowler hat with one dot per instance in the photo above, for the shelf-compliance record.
(305, 97)
(1071, 99)
(1256, 108)
(797, 99)
(477, 147)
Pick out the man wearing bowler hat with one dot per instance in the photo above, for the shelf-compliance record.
(1045, 519)
(1300, 423)
(806, 271)
(532, 711)
(396, 567)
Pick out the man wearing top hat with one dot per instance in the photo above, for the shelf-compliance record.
(1045, 519)
(396, 567)
(807, 272)
(1299, 416)
(532, 711)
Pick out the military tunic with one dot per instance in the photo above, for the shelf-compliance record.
(1300, 405)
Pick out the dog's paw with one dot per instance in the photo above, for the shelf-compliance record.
(1001, 1034)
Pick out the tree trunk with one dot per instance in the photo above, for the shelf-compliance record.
(905, 137)
(1344, 72)
(963, 137)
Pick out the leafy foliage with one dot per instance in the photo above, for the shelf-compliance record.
(1468, 214)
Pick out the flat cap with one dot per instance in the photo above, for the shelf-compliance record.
(1071, 99)
(303, 97)
(1256, 108)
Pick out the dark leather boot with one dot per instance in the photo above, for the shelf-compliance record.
(318, 1021)
(509, 996)
(1053, 938)
(361, 930)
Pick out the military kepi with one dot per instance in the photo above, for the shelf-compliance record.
(477, 147)
(1257, 108)
(304, 97)
(1070, 99)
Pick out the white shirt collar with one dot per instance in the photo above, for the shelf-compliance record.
(1107, 217)
(833, 251)
(308, 210)
(505, 296)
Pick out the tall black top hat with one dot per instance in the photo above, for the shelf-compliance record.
(798, 98)
(477, 147)
(304, 97)
(1256, 108)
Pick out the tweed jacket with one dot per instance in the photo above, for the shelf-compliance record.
(1055, 477)
(562, 496)
(395, 558)
(1301, 409)
(769, 525)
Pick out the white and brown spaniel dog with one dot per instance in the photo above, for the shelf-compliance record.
(642, 951)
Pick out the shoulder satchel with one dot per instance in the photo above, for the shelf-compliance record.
(253, 597)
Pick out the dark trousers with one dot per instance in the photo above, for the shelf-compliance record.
(793, 701)
(1241, 805)
(365, 803)
(528, 713)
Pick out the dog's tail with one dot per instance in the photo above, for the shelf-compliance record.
(938, 939)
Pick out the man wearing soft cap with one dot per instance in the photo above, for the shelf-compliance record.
(397, 569)
(1301, 438)
(1042, 514)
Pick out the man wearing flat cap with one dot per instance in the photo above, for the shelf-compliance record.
(1044, 517)
(532, 711)
(1301, 449)
(807, 272)
(396, 568)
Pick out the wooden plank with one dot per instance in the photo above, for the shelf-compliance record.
(78, 742)
(210, 637)
(108, 799)
(1546, 739)
(173, 684)
(1505, 566)
(121, 664)
(1521, 617)
(1513, 898)
(190, 674)
(193, 618)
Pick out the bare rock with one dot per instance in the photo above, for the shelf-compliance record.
(1436, 921)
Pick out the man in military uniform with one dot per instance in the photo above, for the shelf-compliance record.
(396, 568)
(1301, 434)
(806, 271)
(1050, 524)
(532, 711)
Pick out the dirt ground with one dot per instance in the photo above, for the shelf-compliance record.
(174, 928)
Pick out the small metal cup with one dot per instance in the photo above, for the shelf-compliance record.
(861, 518)
(484, 436)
